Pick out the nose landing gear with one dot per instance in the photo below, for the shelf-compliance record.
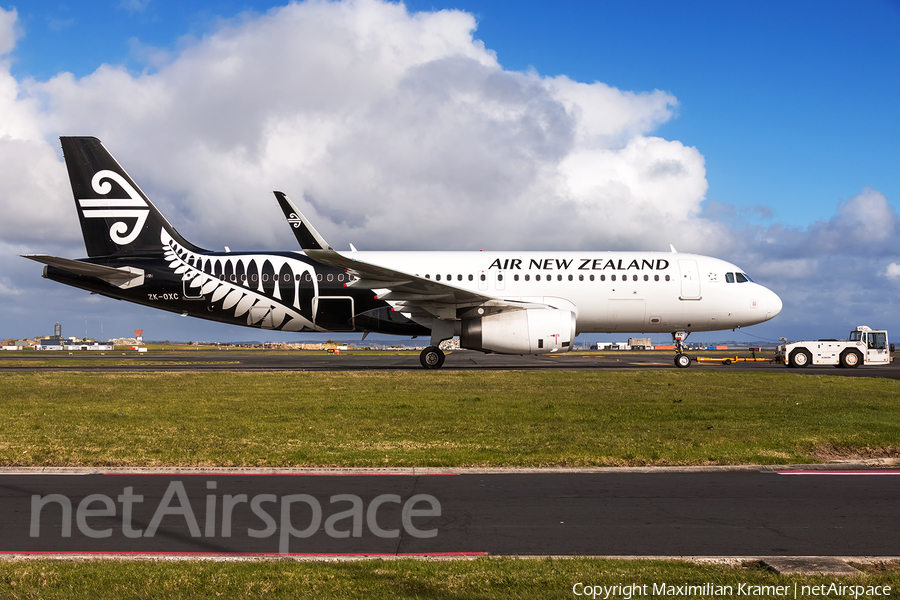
(682, 360)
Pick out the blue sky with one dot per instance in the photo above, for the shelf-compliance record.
(790, 108)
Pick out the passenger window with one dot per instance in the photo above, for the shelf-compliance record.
(612, 277)
(729, 277)
(581, 278)
(634, 277)
(428, 277)
(330, 277)
(527, 277)
(592, 277)
(470, 277)
(667, 278)
(602, 278)
(253, 278)
(499, 277)
(483, 277)
(559, 277)
(459, 277)
(570, 278)
(537, 277)
(515, 277)
(656, 278)
(437, 277)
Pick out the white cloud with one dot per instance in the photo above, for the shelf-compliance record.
(369, 117)
(893, 271)
(867, 217)
(8, 32)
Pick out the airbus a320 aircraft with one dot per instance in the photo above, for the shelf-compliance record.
(503, 302)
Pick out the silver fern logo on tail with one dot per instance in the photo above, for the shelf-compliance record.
(295, 221)
(133, 207)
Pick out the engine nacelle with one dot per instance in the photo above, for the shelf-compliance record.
(529, 331)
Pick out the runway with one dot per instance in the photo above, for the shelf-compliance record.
(742, 512)
(248, 360)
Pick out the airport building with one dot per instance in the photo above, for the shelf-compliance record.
(72, 343)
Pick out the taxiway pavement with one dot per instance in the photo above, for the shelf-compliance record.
(741, 512)
(240, 360)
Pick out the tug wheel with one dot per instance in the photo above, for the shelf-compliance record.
(851, 358)
(800, 358)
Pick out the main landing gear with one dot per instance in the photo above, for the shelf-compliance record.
(432, 357)
(682, 360)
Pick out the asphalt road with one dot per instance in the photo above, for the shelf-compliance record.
(721, 513)
(241, 360)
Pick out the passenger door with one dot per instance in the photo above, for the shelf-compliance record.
(690, 279)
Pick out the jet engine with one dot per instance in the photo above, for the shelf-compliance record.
(529, 331)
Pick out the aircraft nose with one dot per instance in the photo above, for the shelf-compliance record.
(773, 304)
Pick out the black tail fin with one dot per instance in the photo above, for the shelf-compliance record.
(117, 218)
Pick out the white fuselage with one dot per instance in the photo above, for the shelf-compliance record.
(637, 292)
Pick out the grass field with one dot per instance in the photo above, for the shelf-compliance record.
(480, 579)
(443, 419)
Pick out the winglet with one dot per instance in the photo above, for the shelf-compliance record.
(306, 234)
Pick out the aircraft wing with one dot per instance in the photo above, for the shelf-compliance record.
(124, 277)
(403, 288)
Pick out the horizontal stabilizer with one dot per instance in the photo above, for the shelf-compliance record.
(124, 277)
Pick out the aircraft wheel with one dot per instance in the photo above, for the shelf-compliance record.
(726, 362)
(800, 358)
(432, 357)
(682, 361)
(850, 359)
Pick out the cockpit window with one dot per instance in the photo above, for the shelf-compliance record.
(878, 341)
(741, 278)
(729, 277)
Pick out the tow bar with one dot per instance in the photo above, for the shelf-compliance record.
(729, 360)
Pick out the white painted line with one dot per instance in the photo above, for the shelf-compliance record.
(879, 472)
(41, 473)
